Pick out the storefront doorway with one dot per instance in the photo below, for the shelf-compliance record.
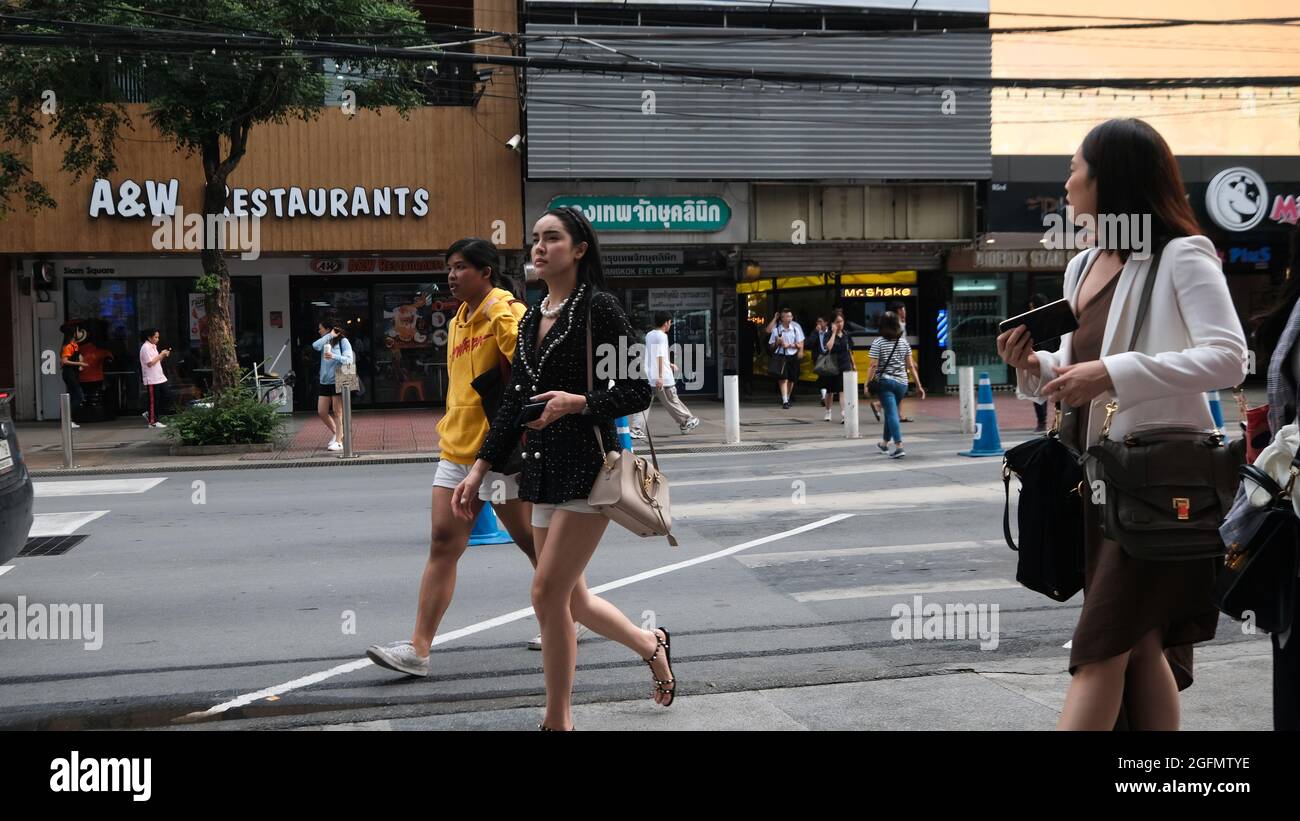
(397, 327)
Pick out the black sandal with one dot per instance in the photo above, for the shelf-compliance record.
(661, 687)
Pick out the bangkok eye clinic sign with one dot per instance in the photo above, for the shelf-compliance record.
(631, 213)
(159, 199)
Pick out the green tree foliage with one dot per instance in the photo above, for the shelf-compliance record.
(211, 70)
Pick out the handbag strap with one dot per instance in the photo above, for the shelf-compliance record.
(1144, 304)
(1006, 508)
(880, 370)
(590, 369)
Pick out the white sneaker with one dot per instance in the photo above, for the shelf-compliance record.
(827, 416)
(157, 425)
(637, 433)
(691, 424)
(334, 445)
(400, 656)
(536, 642)
(73, 425)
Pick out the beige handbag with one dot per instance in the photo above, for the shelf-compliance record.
(629, 490)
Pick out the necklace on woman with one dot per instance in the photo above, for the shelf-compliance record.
(552, 313)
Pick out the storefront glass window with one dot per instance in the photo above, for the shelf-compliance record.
(979, 303)
(693, 329)
(115, 312)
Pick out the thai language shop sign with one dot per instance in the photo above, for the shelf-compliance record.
(651, 213)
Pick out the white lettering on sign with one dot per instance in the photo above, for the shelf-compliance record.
(159, 198)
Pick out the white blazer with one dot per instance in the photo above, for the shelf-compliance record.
(1191, 342)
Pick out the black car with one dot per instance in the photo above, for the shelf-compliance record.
(15, 488)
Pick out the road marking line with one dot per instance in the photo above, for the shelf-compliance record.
(892, 466)
(353, 666)
(6, 569)
(94, 487)
(62, 524)
(792, 557)
(855, 500)
(840, 593)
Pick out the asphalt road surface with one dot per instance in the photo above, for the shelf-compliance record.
(248, 600)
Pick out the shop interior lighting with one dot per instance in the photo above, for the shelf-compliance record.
(989, 287)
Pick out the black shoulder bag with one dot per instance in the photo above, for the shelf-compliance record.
(1259, 572)
(1165, 490)
(1049, 515)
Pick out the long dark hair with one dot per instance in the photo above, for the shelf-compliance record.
(590, 269)
(1136, 173)
(482, 254)
(1270, 323)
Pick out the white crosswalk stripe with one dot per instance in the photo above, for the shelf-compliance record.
(94, 487)
(797, 556)
(868, 591)
(68, 522)
(62, 524)
(845, 501)
(5, 569)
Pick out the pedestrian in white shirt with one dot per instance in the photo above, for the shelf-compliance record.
(786, 343)
(659, 371)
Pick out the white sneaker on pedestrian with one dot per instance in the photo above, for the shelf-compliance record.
(400, 656)
(536, 642)
(637, 433)
(334, 445)
(897, 454)
(827, 416)
(73, 425)
(691, 424)
(157, 425)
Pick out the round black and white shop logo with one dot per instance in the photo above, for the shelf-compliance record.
(1236, 199)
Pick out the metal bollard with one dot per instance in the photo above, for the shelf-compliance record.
(65, 423)
(966, 390)
(731, 407)
(347, 424)
(850, 399)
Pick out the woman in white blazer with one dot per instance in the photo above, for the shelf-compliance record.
(1131, 653)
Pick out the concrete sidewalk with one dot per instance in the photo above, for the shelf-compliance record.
(1233, 691)
(127, 444)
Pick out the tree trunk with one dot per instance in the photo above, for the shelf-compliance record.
(221, 336)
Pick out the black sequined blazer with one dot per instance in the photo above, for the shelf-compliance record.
(561, 460)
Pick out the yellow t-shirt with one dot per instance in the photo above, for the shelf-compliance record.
(475, 345)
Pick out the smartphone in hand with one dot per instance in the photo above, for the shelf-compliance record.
(1051, 321)
(530, 412)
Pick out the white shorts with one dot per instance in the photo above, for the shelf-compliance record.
(450, 474)
(542, 513)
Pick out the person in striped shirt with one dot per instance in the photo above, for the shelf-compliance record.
(891, 358)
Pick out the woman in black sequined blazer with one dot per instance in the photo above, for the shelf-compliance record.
(562, 453)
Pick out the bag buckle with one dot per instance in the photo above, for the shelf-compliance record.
(1235, 556)
(1290, 483)
(1183, 506)
(1111, 407)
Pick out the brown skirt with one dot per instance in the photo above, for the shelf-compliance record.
(1125, 598)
